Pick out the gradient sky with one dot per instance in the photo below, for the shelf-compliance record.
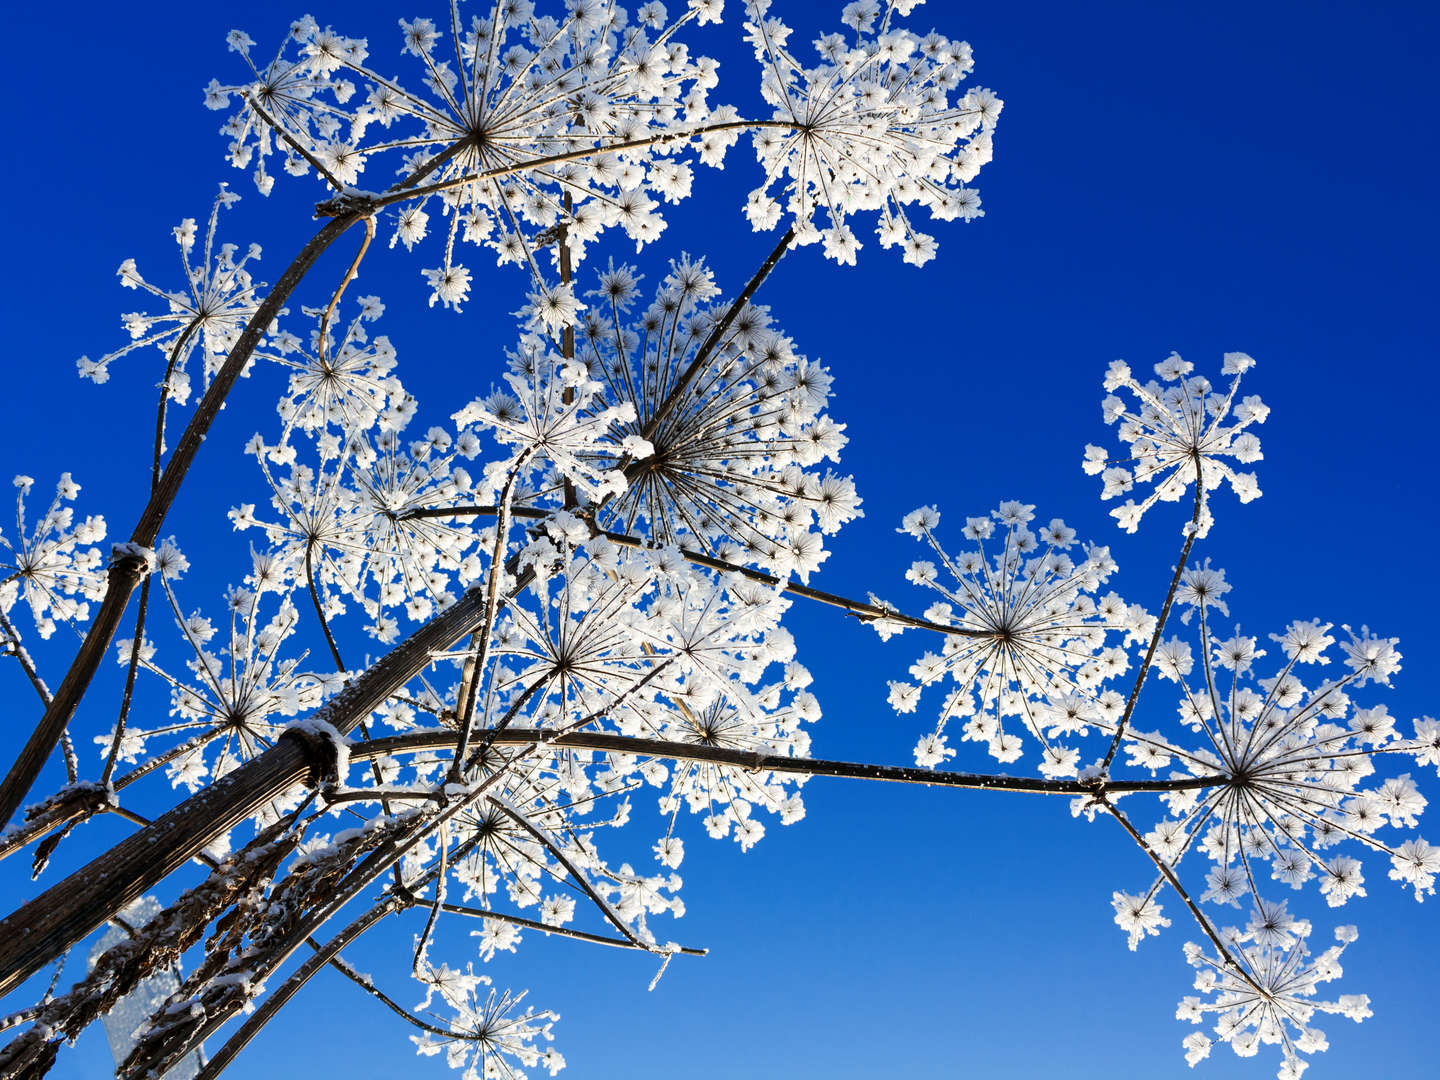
(1199, 177)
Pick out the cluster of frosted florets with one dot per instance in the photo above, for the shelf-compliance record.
(720, 426)
(232, 704)
(1296, 763)
(485, 1032)
(208, 314)
(879, 125)
(1177, 434)
(1032, 641)
(345, 382)
(1270, 998)
(696, 431)
(510, 131)
(644, 643)
(52, 568)
(1284, 765)
(553, 416)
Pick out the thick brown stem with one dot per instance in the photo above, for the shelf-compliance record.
(63, 915)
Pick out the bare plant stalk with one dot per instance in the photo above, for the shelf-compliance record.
(1159, 622)
(127, 571)
(375, 864)
(674, 750)
(63, 915)
(499, 567)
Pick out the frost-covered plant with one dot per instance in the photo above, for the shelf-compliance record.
(879, 125)
(1177, 436)
(594, 558)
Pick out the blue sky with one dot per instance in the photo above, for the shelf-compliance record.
(1252, 176)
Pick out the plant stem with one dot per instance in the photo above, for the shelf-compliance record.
(126, 572)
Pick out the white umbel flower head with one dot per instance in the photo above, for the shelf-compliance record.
(1178, 430)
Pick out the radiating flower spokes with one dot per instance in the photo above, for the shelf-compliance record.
(1177, 436)
(218, 300)
(350, 523)
(233, 699)
(485, 1032)
(511, 132)
(1293, 759)
(871, 128)
(723, 425)
(1270, 999)
(548, 417)
(52, 567)
(1032, 640)
(292, 92)
(346, 384)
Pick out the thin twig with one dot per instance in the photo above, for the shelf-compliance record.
(1159, 623)
(1169, 874)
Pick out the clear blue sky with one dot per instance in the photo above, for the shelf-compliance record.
(1200, 177)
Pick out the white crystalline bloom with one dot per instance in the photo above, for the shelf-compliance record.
(552, 416)
(449, 284)
(217, 300)
(487, 1036)
(1426, 746)
(1270, 1000)
(878, 125)
(487, 92)
(1138, 916)
(53, 567)
(1416, 863)
(670, 851)
(688, 654)
(931, 751)
(725, 435)
(1033, 643)
(344, 382)
(350, 518)
(230, 703)
(1174, 429)
(1300, 761)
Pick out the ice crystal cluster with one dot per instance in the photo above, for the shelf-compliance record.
(532, 645)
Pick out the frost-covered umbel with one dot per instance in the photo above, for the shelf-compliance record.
(1033, 640)
(1177, 436)
(508, 125)
(721, 427)
(218, 298)
(880, 125)
(240, 685)
(52, 567)
(1274, 767)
